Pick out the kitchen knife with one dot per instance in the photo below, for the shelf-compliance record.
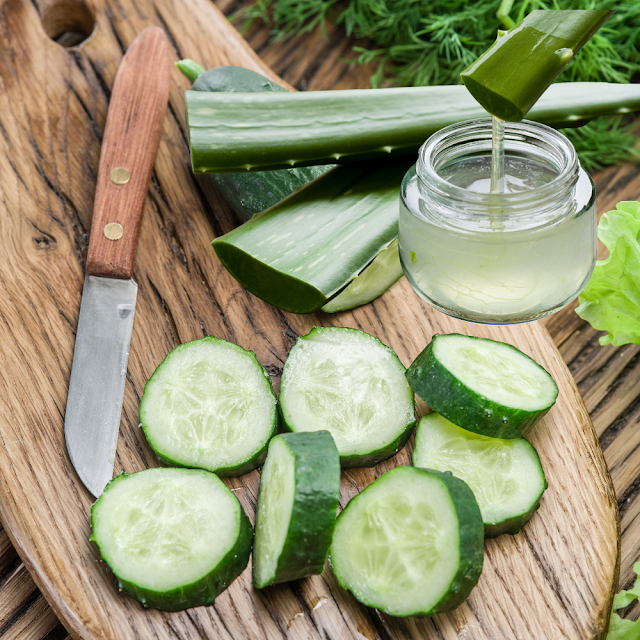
(98, 373)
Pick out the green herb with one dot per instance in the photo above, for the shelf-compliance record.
(619, 628)
(611, 300)
(604, 141)
(428, 43)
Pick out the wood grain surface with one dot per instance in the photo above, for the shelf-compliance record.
(554, 580)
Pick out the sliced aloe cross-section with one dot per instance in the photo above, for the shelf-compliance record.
(347, 382)
(304, 250)
(210, 405)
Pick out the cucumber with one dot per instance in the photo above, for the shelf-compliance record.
(248, 193)
(174, 538)
(210, 405)
(347, 382)
(487, 387)
(410, 544)
(505, 476)
(241, 132)
(297, 504)
(384, 271)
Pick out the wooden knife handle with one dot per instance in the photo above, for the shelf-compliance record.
(137, 108)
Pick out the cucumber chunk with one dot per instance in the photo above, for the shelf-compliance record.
(505, 476)
(410, 544)
(174, 538)
(487, 387)
(210, 405)
(297, 503)
(347, 382)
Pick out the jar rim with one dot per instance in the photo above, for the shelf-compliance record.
(568, 165)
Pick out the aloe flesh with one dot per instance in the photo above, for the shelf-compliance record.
(304, 250)
(509, 78)
(384, 271)
(237, 132)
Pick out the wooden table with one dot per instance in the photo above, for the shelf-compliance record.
(608, 377)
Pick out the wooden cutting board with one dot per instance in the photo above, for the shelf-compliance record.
(552, 581)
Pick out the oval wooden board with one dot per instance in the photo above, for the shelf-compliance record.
(553, 580)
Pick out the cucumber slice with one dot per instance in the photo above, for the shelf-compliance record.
(410, 543)
(347, 382)
(487, 387)
(210, 405)
(174, 538)
(384, 271)
(505, 476)
(297, 503)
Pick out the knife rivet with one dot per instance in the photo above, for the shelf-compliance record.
(113, 231)
(120, 175)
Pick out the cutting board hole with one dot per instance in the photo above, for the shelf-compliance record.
(68, 22)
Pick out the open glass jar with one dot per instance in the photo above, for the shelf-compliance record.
(498, 258)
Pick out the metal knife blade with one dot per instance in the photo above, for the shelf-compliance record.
(99, 369)
(98, 375)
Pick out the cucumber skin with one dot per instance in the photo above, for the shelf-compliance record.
(315, 504)
(226, 472)
(471, 542)
(367, 459)
(205, 590)
(514, 524)
(446, 395)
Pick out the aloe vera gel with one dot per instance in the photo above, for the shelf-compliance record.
(494, 257)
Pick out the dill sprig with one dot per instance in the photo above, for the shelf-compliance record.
(418, 43)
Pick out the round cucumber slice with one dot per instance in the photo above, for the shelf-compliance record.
(347, 382)
(487, 387)
(210, 405)
(174, 538)
(410, 544)
(505, 476)
(297, 503)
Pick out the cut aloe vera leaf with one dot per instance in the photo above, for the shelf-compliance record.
(410, 544)
(240, 132)
(505, 476)
(210, 405)
(373, 281)
(347, 382)
(481, 385)
(509, 78)
(174, 538)
(248, 193)
(304, 250)
(297, 503)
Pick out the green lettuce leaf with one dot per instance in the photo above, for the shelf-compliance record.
(619, 628)
(611, 300)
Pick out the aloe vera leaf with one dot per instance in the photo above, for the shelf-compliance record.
(302, 251)
(248, 193)
(373, 281)
(190, 69)
(242, 131)
(510, 76)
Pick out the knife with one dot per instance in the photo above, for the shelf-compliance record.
(98, 373)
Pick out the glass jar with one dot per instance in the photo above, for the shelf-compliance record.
(498, 258)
